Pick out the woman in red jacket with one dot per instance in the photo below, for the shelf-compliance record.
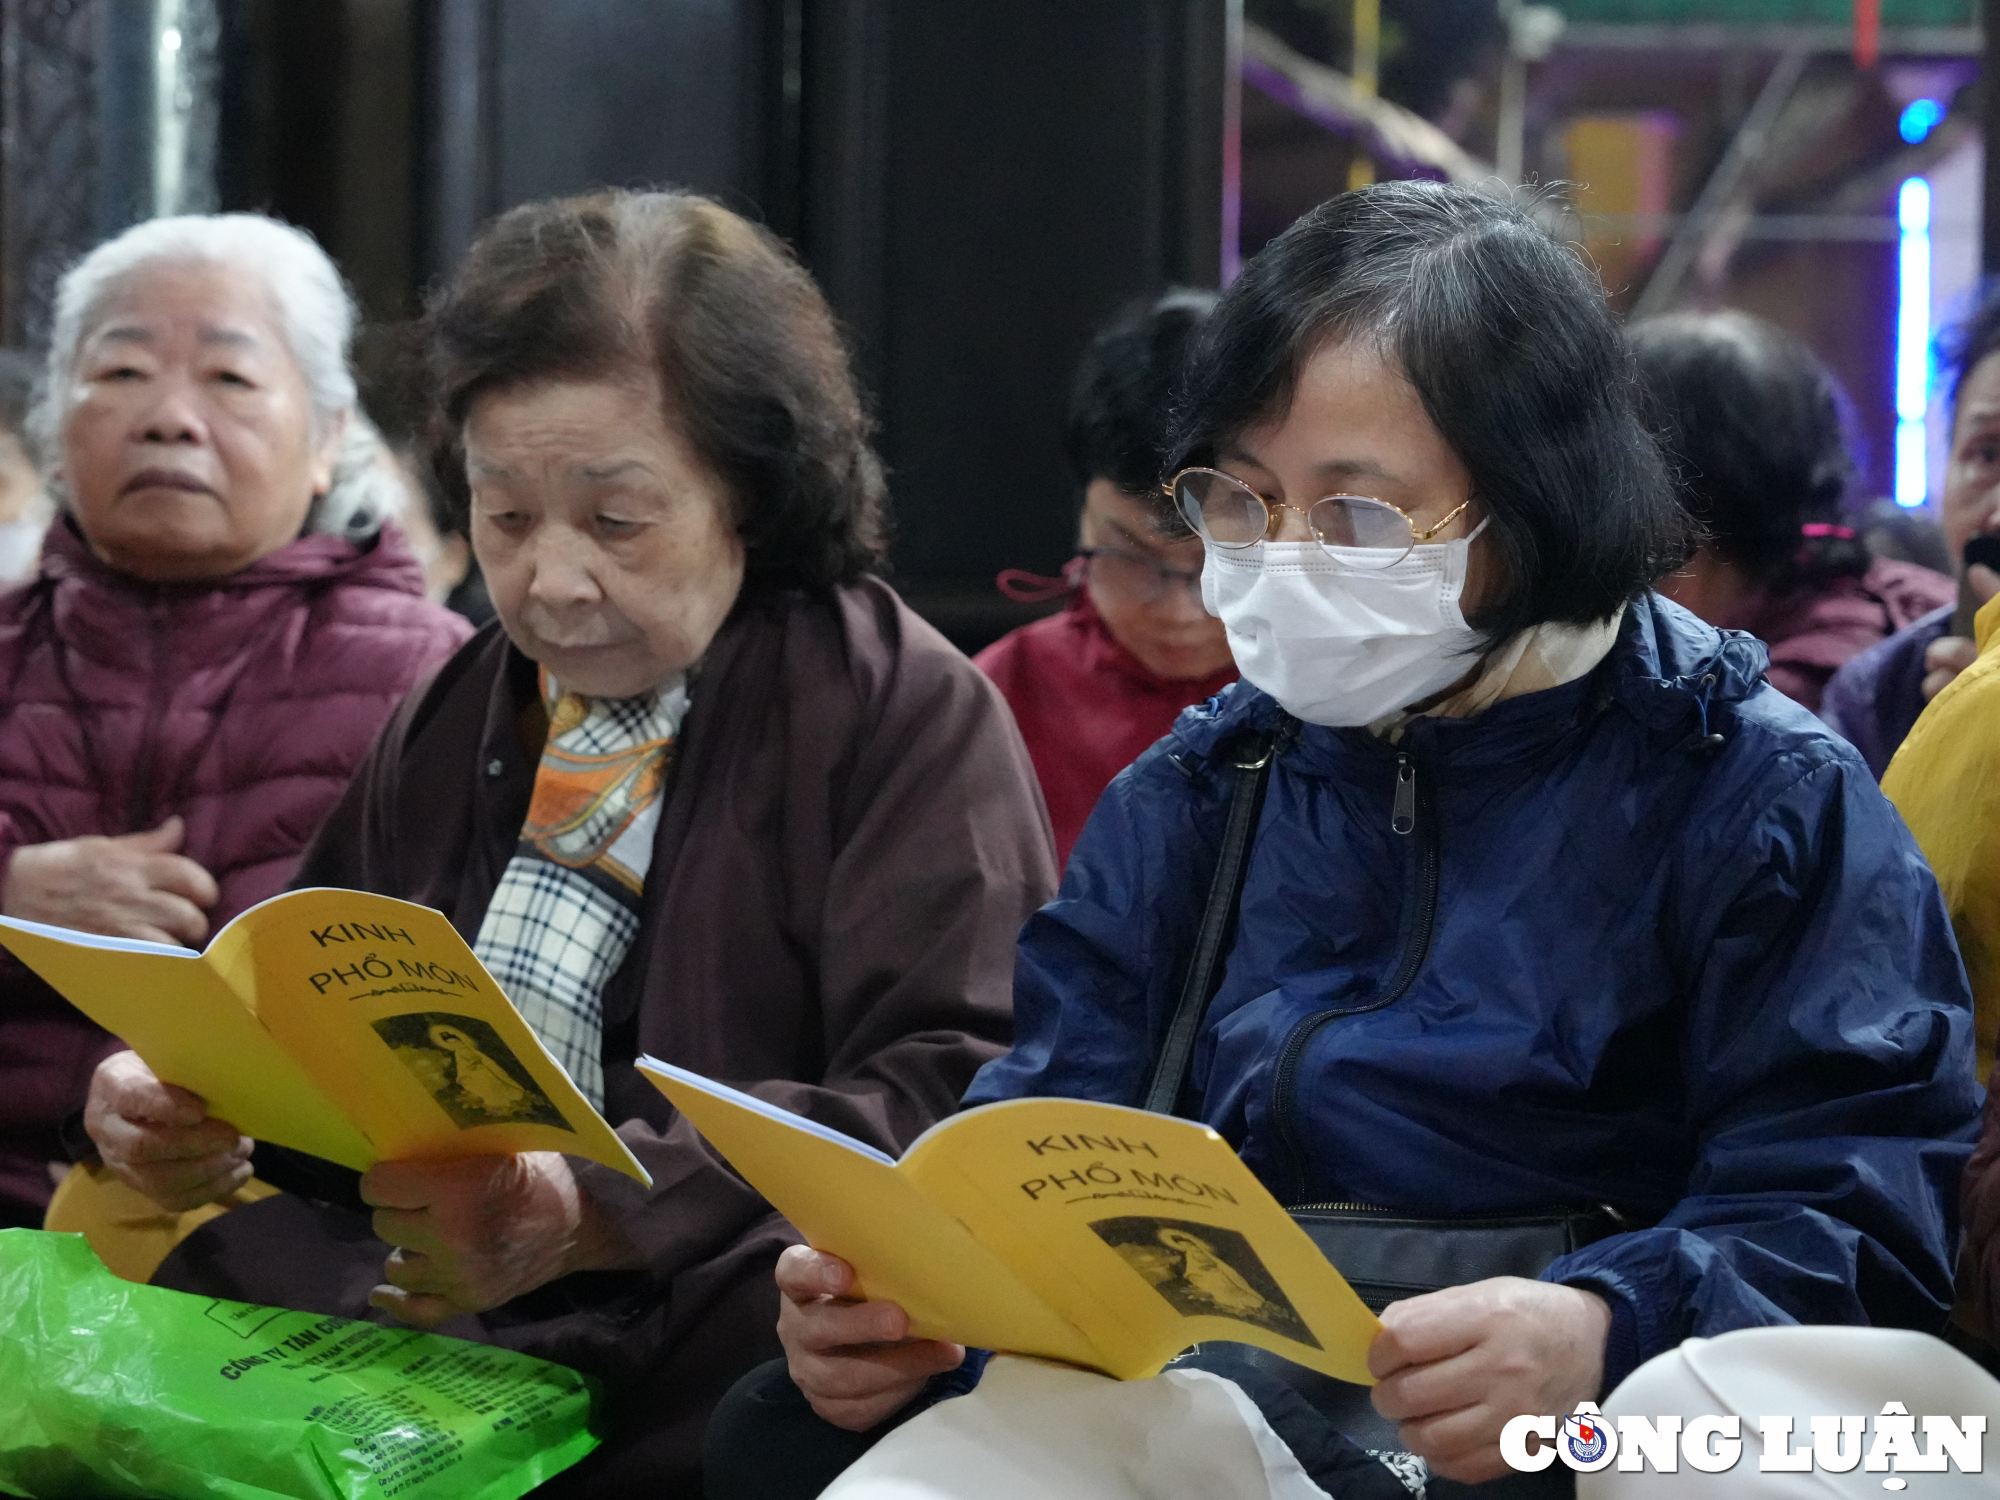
(221, 624)
(1093, 686)
(1752, 420)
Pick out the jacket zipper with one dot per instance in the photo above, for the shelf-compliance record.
(1533, 1211)
(139, 802)
(1407, 815)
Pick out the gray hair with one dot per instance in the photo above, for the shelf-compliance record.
(315, 313)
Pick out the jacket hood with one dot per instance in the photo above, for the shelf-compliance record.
(1666, 667)
(387, 562)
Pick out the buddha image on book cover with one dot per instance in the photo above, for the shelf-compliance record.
(1204, 1271)
(464, 1065)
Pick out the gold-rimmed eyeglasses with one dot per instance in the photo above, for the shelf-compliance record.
(1231, 515)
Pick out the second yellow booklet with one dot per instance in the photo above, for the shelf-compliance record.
(1089, 1233)
(350, 1026)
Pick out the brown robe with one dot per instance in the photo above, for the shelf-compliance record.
(850, 841)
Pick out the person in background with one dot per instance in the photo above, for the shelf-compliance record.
(395, 392)
(1945, 780)
(814, 832)
(1753, 422)
(1096, 684)
(25, 508)
(1907, 535)
(1551, 899)
(451, 577)
(222, 621)
(1877, 696)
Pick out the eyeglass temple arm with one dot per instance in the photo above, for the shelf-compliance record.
(1425, 536)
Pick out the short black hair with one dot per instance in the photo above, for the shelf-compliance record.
(1755, 425)
(1121, 402)
(1962, 347)
(752, 365)
(1520, 366)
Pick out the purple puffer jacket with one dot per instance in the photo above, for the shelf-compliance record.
(243, 706)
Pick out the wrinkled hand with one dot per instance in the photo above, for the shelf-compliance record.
(160, 1139)
(132, 886)
(1456, 1365)
(855, 1361)
(1949, 655)
(477, 1232)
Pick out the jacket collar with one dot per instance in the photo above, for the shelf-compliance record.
(1104, 652)
(1667, 670)
(387, 562)
(108, 616)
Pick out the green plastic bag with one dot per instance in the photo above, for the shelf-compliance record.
(113, 1390)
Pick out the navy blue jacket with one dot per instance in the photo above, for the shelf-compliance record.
(1713, 986)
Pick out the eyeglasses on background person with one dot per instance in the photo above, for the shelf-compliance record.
(1130, 575)
(1143, 580)
(1228, 513)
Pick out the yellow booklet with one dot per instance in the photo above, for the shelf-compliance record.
(1093, 1234)
(353, 1027)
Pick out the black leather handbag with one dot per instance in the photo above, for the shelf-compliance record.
(1385, 1255)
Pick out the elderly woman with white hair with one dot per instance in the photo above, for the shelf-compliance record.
(222, 621)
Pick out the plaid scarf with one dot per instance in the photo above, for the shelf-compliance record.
(567, 908)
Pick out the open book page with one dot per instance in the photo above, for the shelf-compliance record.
(1142, 1233)
(848, 1199)
(193, 1031)
(1146, 1231)
(388, 1008)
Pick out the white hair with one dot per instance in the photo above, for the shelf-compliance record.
(315, 314)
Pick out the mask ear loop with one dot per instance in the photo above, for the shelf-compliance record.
(1023, 587)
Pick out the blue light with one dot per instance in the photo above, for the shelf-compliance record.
(1919, 119)
(1913, 337)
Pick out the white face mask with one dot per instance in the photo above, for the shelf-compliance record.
(1340, 644)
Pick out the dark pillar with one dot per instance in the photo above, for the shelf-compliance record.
(320, 128)
(539, 98)
(987, 183)
(107, 116)
(458, 191)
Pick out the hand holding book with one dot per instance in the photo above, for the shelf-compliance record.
(161, 1139)
(346, 1025)
(362, 1030)
(1092, 1234)
(854, 1360)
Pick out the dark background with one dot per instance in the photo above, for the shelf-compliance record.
(978, 183)
(974, 185)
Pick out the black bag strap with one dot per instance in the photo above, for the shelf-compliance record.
(1225, 889)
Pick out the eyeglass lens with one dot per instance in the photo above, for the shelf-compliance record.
(1230, 514)
(1137, 578)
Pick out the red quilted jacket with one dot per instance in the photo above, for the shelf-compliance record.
(243, 706)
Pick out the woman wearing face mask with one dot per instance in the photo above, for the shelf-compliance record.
(1550, 900)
